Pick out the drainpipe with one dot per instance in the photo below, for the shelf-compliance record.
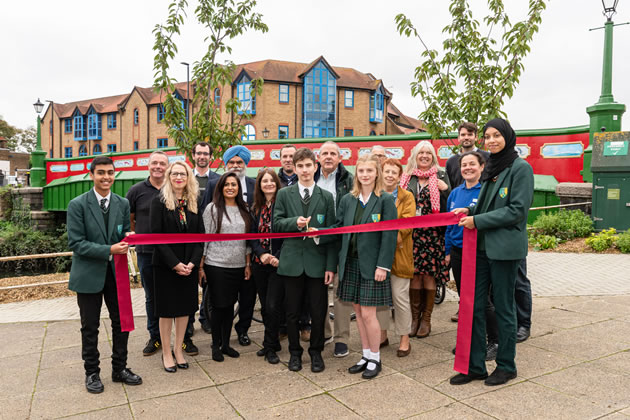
(296, 113)
(148, 134)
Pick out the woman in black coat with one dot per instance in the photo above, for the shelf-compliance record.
(176, 266)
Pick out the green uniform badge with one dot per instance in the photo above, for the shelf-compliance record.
(503, 192)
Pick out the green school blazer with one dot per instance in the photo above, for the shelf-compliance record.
(501, 212)
(90, 242)
(302, 256)
(375, 249)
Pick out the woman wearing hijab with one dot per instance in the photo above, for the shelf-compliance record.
(500, 216)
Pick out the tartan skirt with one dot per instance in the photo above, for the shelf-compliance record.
(366, 292)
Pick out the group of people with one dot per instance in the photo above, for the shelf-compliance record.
(371, 273)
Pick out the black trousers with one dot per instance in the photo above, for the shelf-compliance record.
(270, 290)
(296, 288)
(523, 296)
(246, 303)
(90, 311)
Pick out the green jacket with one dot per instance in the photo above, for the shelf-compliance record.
(89, 241)
(375, 249)
(300, 255)
(501, 212)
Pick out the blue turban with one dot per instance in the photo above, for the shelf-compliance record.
(240, 151)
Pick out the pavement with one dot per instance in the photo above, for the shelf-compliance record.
(576, 365)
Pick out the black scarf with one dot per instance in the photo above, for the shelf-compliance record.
(499, 161)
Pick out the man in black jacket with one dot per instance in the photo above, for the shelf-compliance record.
(287, 173)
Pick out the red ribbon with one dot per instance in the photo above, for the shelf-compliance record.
(469, 252)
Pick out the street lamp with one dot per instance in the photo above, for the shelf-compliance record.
(39, 106)
(265, 132)
(38, 171)
(610, 8)
(187, 91)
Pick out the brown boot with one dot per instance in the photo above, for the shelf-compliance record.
(425, 323)
(414, 300)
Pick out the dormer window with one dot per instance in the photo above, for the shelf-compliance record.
(244, 94)
(94, 125)
(376, 105)
(79, 126)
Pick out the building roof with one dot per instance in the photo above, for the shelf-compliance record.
(406, 123)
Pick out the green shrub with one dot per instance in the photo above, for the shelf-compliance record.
(623, 242)
(603, 240)
(544, 242)
(564, 225)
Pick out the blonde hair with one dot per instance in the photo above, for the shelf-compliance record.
(412, 163)
(378, 182)
(191, 191)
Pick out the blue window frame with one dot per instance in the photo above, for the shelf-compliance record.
(96, 150)
(283, 131)
(51, 153)
(67, 152)
(94, 125)
(79, 126)
(348, 98)
(320, 88)
(136, 117)
(217, 96)
(162, 143)
(283, 94)
(160, 112)
(376, 105)
(111, 121)
(51, 127)
(82, 150)
(111, 148)
(135, 145)
(250, 133)
(244, 94)
(348, 132)
(68, 125)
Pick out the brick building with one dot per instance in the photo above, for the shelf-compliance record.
(313, 100)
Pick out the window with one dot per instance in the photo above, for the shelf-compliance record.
(51, 127)
(68, 125)
(111, 121)
(111, 148)
(217, 97)
(135, 145)
(372, 133)
(250, 133)
(162, 143)
(348, 101)
(94, 126)
(283, 132)
(96, 150)
(79, 126)
(51, 154)
(243, 91)
(376, 105)
(284, 94)
(160, 112)
(320, 89)
(348, 132)
(82, 150)
(136, 117)
(68, 152)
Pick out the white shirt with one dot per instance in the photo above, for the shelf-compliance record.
(364, 201)
(243, 186)
(310, 190)
(196, 173)
(328, 183)
(100, 197)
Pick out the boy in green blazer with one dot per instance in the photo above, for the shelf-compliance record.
(307, 265)
(97, 221)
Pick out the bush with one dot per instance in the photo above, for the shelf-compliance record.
(623, 242)
(544, 242)
(564, 225)
(602, 241)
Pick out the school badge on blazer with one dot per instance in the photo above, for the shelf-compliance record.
(119, 228)
(320, 219)
(376, 217)
(503, 192)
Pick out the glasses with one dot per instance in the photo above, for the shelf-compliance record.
(202, 153)
(179, 175)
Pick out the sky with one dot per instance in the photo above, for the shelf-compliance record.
(74, 49)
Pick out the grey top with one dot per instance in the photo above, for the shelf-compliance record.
(226, 254)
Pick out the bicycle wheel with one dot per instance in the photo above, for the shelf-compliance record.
(440, 293)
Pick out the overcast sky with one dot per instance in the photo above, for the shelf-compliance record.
(76, 49)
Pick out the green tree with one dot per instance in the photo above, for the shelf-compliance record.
(475, 73)
(6, 130)
(23, 140)
(223, 20)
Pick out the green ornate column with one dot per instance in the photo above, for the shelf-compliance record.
(606, 114)
(38, 167)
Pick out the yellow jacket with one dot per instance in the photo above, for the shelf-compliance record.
(403, 259)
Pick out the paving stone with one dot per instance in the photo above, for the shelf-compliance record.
(614, 416)
(67, 356)
(455, 411)
(18, 374)
(201, 403)
(532, 361)
(432, 375)
(564, 318)
(246, 366)
(599, 306)
(463, 392)
(15, 407)
(319, 407)
(584, 348)
(422, 354)
(120, 412)
(616, 363)
(445, 341)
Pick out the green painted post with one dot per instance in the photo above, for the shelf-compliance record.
(606, 114)
(38, 168)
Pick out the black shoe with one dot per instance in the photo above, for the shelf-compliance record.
(217, 354)
(331, 315)
(169, 369)
(491, 351)
(499, 377)
(261, 352)
(152, 346)
(371, 373)
(190, 330)
(272, 357)
(522, 334)
(180, 365)
(127, 377)
(461, 379)
(244, 340)
(353, 316)
(205, 326)
(189, 347)
(317, 363)
(93, 384)
(358, 368)
(295, 363)
(230, 352)
(454, 348)
(341, 350)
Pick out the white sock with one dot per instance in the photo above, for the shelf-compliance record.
(366, 354)
(376, 356)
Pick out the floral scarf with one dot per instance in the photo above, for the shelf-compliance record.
(264, 226)
(434, 191)
(181, 211)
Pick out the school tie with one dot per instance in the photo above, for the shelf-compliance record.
(103, 202)
(307, 196)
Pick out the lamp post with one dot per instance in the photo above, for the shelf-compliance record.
(265, 133)
(605, 115)
(187, 92)
(38, 170)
